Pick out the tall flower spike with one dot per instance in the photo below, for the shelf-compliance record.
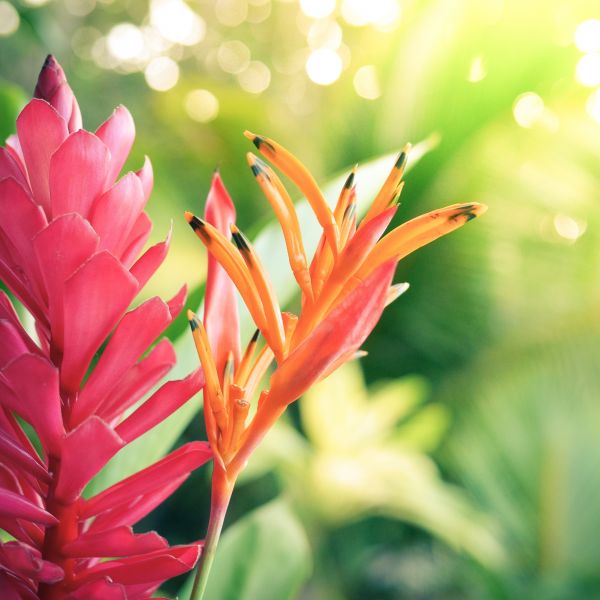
(344, 292)
(70, 239)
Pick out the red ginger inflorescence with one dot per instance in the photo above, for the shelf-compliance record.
(71, 235)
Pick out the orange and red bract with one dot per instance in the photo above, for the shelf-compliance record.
(71, 236)
(344, 289)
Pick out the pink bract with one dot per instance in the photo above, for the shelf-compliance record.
(71, 235)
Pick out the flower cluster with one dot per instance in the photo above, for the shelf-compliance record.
(71, 237)
(344, 290)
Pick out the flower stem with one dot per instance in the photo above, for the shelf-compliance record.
(222, 489)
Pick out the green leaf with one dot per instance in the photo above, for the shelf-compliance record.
(12, 99)
(263, 556)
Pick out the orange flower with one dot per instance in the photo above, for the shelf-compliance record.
(344, 291)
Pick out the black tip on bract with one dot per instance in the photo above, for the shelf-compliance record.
(256, 170)
(255, 336)
(193, 324)
(240, 241)
(259, 141)
(470, 211)
(401, 160)
(350, 181)
(196, 223)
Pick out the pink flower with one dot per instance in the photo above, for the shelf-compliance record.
(71, 235)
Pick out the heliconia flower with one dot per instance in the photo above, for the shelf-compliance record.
(71, 235)
(344, 290)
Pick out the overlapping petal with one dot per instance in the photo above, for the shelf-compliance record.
(71, 236)
(341, 333)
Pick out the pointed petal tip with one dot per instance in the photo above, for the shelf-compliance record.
(257, 140)
(192, 320)
(216, 176)
(350, 179)
(239, 239)
(480, 209)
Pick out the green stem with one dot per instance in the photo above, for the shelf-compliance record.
(222, 489)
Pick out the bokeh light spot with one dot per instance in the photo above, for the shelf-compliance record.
(231, 12)
(366, 83)
(588, 70)
(569, 228)
(324, 66)
(587, 36)
(177, 22)
(317, 9)
(162, 73)
(256, 78)
(201, 105)
(477, 70)
(233, 56)
(35, 2)
(528, 109)
(383, 14)
(125, 41)
(9, 19)
(593, 105)
(83, 40)
(356, 12)
(324, 34)
(80, 8)
(258, 11)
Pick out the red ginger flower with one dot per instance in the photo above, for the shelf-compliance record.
(70, 243)
(344, 291)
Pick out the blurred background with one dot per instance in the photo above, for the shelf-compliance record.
(461, 457)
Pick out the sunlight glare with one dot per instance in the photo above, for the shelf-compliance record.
(366, 83)
(317, 9)
(201, 105)
(324, 34)
(233, 56)
(9, 19)
(125, 41)
(568, 228)
(162, 73)
(528, 109)
(593, 105)
(256, 78)
(324, 66)
(177, 22)
(588, 70)
(587, 36)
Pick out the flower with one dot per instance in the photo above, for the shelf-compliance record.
(344, 290)
(71, 235)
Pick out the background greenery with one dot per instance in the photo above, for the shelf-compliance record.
(471, 467)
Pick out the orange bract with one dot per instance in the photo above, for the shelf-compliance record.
(343, 293)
